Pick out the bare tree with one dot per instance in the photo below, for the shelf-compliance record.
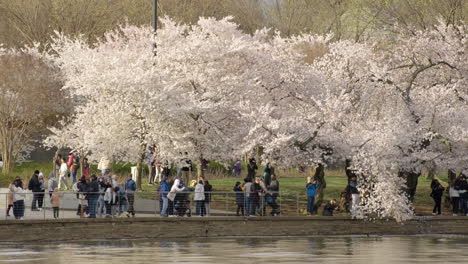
(30, 100)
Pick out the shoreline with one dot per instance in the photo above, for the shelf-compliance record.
(212, 227)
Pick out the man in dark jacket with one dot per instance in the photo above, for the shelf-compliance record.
(255, 190)
(208, 189)
(273, 190)
(35, 186)
(93, 195)
(251, 169)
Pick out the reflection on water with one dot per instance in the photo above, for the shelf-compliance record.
(360, 250)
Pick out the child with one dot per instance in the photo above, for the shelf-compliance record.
(239, 198)
(311, 188)
(55, 202)
(329, 208)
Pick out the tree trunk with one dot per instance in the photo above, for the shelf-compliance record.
(431, 170)
(319, 176)
(411, 179)
(452, 176)
(139, 166)
(200, 171)
(258, 155)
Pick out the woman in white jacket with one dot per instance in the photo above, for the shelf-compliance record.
(175, 189)
(18, 198)
(200, 198)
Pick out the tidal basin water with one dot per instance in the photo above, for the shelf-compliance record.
(412, 249)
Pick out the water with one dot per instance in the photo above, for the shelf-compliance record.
(440, 249)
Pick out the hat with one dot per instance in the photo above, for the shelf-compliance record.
(41, 174)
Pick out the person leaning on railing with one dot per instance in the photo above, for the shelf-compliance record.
(93, 195)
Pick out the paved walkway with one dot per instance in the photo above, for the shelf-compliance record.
(69, 205)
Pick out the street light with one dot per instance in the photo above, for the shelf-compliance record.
(155, 15)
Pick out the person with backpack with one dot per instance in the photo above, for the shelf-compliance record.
(436, 194)
(35, 186)
(130, 188)
(74, 164)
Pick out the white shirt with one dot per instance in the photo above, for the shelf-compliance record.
(63, 170)
(199, 192)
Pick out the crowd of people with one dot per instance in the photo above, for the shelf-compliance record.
(110, 196)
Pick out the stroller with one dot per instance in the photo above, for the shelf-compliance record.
(182, 203)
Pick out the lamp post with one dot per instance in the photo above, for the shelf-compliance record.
(155, 15)
(155, 24)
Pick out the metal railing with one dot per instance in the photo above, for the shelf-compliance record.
(149, 204)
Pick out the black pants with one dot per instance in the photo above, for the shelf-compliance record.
(240, 208)
(437, 206)
(455, 204)
(131, 202)
(56, 212)
(40, 199)
(254, 204)
(8, 210)
(108, 208)
(34, 201)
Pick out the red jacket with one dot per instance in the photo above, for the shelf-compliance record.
(70, 162)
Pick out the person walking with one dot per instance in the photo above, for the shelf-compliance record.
(55, 202)
(93, 195)
(163, 191)
(199, 198)
(35, 186)
(236, 169)
(311, 188)
(63, 173)
(73, 164)
(130, 188)
(239, 199)
(18, 198)
(436, 194)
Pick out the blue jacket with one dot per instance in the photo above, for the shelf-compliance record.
(164, 189)
(130, 185)
(312, 189)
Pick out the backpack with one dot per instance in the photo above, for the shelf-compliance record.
(76, 162)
